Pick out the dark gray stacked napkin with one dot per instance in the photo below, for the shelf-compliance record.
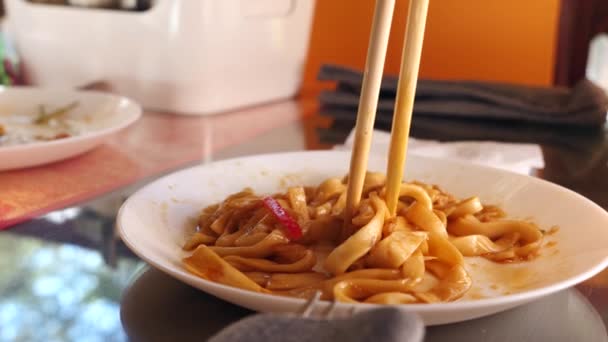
(583, 105)
(388, 324)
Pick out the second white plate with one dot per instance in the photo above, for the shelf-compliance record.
(106, 114)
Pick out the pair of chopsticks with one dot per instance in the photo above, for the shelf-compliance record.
(368, 102)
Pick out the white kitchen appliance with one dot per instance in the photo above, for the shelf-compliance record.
(186, 56)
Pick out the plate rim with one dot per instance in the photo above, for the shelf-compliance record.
(502, 300)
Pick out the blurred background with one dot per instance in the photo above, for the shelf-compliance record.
(512, 41)
(541, 42)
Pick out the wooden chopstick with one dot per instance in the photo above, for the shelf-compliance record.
(368, 103)
(406, 90)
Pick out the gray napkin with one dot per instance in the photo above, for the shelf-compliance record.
(388, 324)
(584, 105)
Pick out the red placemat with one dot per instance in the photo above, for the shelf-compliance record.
(157, 143)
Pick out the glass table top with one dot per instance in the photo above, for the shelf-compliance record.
(66, 276)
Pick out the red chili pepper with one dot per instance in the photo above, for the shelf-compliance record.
(292, 228)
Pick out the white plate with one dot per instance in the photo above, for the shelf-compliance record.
(153, 223)
(107, 114)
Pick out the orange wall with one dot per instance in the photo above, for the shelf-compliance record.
(500, 40)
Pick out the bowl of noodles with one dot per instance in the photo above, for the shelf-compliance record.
(268, 232)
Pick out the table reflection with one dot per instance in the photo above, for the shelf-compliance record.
(54, 291)
(157, 307)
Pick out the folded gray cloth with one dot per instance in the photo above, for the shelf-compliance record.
(585, 104)
(388, 324)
